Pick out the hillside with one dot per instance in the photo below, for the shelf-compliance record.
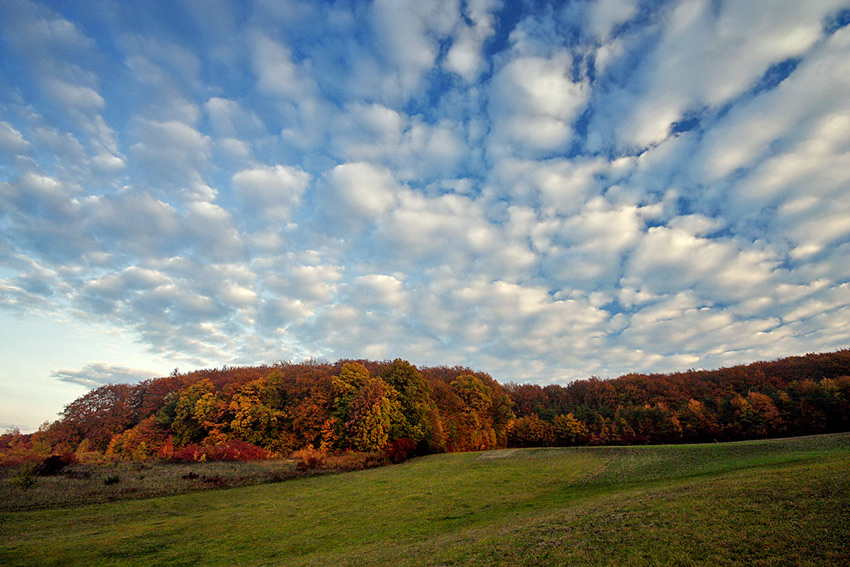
(771, 502)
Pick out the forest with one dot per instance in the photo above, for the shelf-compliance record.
(399, 410)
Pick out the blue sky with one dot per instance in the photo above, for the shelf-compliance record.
(542, 191)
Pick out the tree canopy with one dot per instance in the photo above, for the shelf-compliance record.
(361, 405)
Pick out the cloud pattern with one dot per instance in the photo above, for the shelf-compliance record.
(541, 191)
(99, 374)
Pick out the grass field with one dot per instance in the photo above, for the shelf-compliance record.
(776, 502)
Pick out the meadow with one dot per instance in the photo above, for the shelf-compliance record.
(768, 502)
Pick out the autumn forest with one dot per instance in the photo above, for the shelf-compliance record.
(399, 410)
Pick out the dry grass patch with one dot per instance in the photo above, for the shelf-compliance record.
(21, 488)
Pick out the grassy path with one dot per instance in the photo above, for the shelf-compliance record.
(779, 502)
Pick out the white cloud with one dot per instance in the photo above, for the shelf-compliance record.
(42, 196)
(32, 26)
(33, 289)
(601, 228)
(308, 283)
(294, 291)
(698, 225)
(273, 191)
(136, 221)
(533, 102)
(668, 259)
(166, 62)
(607, 14)
(117, 284)
(427, 149)
(277, 73)
(818, 160)
(791, 151)
(686, 326)
(239, 295)
(163, 93)
(511, 320)
(78, 96)
(409, 32)
(173, 152)
(465, 56)
(181, 308)
(108, 163)
(706, 57)
(65, 146)
(450, 229)
(235, 149)
(588, 249)
(229, 118)
(813, 232)
(212, 234)
(11, 140)
(369, 131)
(99, 374)
(360, 191)
(415, 150)
(175, 136)
(378, 291)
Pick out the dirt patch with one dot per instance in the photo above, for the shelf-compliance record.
(498, 454)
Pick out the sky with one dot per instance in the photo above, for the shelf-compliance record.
(544, 191)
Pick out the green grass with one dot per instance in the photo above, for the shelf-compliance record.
(778, 502)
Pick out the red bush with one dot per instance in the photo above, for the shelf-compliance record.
(232, 450)
(309, 459)
(236, 450)
(189, 453)
(400, 450)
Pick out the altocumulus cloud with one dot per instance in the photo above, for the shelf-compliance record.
(544, 191)
(98, 374)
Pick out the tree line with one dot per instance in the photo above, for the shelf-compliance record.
(791, 396)
(349, 405)
(367, 406)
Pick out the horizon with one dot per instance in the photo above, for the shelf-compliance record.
(542, 192)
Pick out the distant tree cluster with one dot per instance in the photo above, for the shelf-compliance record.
(792, 396)
(394, 407)
(255, 412)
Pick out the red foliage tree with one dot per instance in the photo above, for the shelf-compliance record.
(97, 416)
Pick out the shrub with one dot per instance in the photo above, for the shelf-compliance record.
(14, 460)
(312, 459)
(309, 459)
(54, 464)
(189, 454)
(19, 449)
(355, 461)
(166, 450)
(400, 450)
(236, 450)
(25, 477)
(232, 450)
